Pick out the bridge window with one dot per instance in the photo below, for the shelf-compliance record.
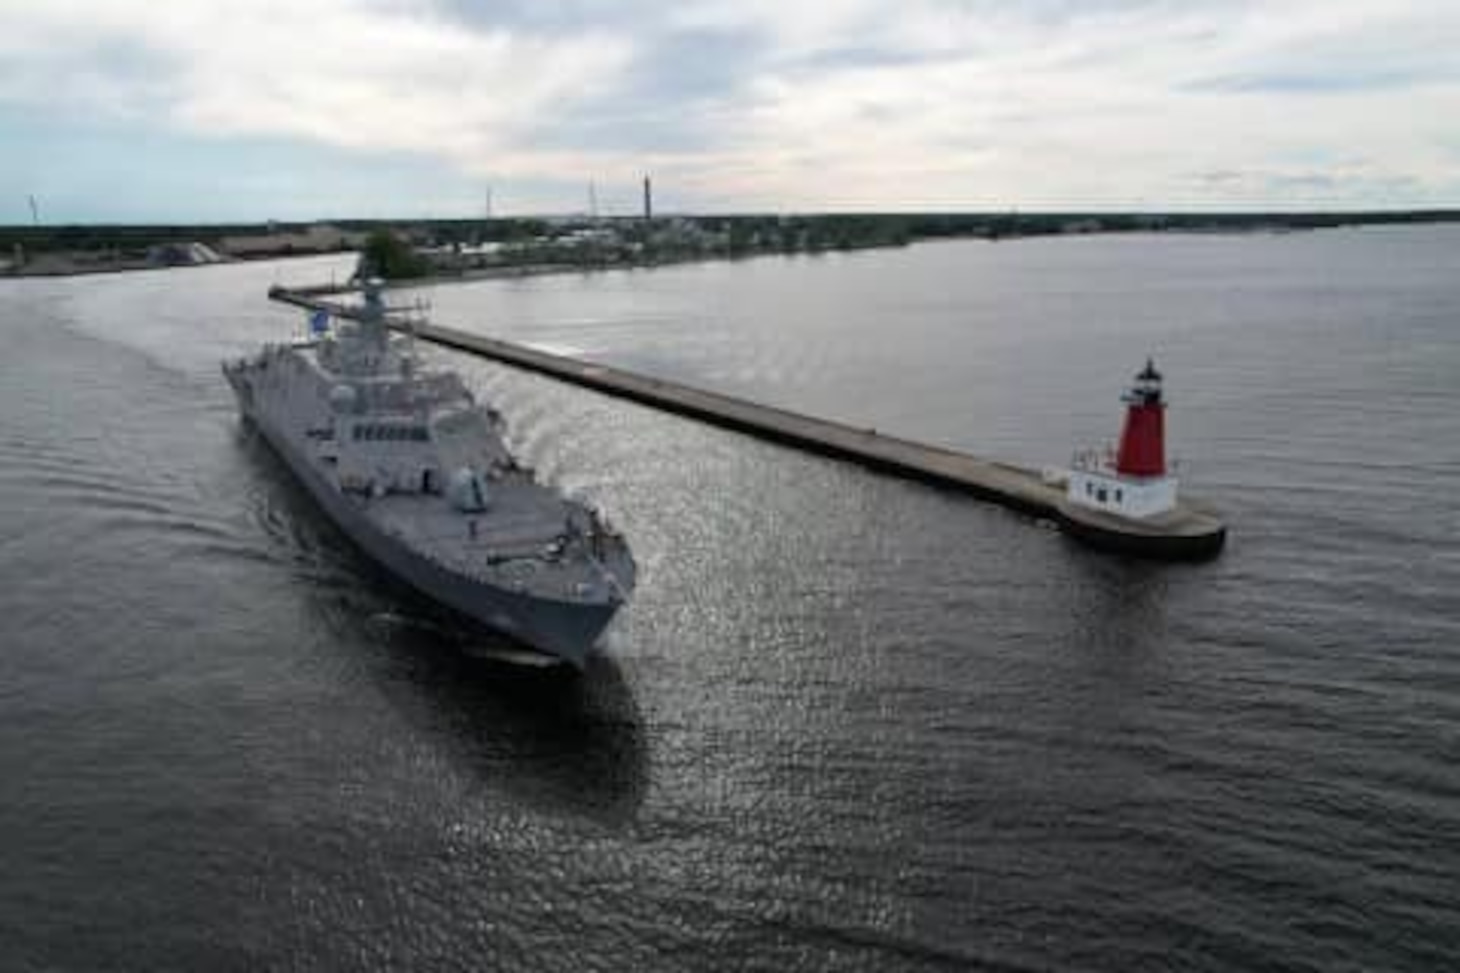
(374, 433)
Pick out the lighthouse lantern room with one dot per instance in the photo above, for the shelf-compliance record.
(1133, 482)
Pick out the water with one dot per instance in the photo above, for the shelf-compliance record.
(848, 722)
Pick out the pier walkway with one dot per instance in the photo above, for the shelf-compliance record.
(1186, 532)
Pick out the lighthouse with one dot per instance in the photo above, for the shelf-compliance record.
(1133, 482)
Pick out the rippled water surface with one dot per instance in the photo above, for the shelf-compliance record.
(848, 722)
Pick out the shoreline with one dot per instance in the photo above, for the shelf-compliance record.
(139, 266)
(472, 275)
(54, 264)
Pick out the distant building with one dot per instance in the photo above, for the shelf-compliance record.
(316, 238)
(179, 254)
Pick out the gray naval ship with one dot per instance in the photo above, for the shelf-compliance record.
(416, 472)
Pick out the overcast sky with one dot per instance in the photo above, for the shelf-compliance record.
(250, 109)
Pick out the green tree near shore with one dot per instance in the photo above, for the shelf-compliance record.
(387, 256)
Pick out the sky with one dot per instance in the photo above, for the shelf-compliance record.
(243, 110)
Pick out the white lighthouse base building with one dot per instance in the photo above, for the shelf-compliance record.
(1135, 497)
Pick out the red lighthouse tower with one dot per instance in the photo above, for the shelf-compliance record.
(1143, 439)
(1135, 485)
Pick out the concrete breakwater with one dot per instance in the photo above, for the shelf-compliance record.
(1187, 532)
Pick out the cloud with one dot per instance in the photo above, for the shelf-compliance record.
(364, 75)
(775, 105)
(1293, 83)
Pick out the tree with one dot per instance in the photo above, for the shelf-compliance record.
(387, 256)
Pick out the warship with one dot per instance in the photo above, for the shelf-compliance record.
(417, 473)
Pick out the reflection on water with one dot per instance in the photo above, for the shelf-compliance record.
(550, 734)
(555, 738)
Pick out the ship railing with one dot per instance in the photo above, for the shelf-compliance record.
(1093, 460)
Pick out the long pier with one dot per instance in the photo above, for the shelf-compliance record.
(1184, 533)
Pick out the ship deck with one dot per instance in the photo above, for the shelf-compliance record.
(509, 542)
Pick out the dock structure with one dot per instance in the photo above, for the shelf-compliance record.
(1187, 532)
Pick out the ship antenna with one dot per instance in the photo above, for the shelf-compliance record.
(410, 328)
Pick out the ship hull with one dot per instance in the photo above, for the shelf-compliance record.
(565, 631)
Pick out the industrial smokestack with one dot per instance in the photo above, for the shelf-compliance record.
(648, 199)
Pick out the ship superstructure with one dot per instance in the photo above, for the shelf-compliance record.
(417, 473)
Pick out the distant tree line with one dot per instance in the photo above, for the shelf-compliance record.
(746, 233)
